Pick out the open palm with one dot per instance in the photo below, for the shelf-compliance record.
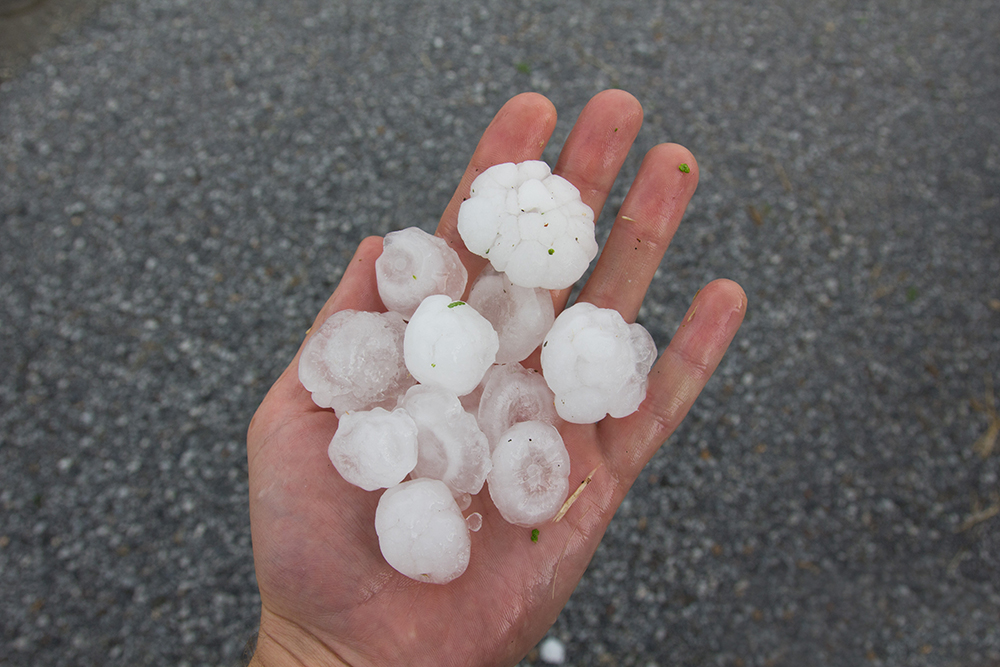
(328, 597)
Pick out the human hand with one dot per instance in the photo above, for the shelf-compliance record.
(328, 596)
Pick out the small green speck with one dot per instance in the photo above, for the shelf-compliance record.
(523, 68)
(534, 535)
(552, 251)
(912, 294)
(456, 303)
(433, 365)
(684, 168)
(414, 277)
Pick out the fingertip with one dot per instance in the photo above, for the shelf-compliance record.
(728, 293)
(679, 161)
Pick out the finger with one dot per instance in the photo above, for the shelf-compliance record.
(646, 223)
(519, 132)
(595, 150)
(677, 378)
(357, 290)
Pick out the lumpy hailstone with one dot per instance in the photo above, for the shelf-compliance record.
(355, 361)
(596, 363)
(421, 531)
(530, 224)
(448, 344)
(450, 445)
(530, 475)
(521, 316)
(413, 265)
(374, 449)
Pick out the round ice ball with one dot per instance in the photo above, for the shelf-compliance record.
(413, 265)
(374, 449)
(530, 224)
(596, 363)
(448, 344)
(530, 476)
(421, 531)
(354, 361)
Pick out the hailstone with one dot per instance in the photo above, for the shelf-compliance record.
(354, 361)
(530, 224)
(512, 394)
(421, 531)
(596, 363)
(374, 449)
(450, 446)
(521, 316)
(448, 344)
(530, 476)
(413, 265)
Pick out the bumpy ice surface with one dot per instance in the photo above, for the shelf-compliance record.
(521, 316)
(530, 476)
(451, 447)
(529, 223)
(374, 449)
(448, 344)
(355, 361)
(413, 265)
(596, 363)
(512, 394)
(421, 531)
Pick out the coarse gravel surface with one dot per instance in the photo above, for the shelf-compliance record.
(182, 183)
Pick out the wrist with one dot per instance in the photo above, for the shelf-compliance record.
(279, 643)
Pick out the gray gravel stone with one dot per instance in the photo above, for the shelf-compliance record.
(181, 185)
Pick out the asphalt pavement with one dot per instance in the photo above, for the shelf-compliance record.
(182, 183)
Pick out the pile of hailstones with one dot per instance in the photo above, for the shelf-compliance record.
(433, 388)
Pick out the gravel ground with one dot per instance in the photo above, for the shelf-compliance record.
(182, 183)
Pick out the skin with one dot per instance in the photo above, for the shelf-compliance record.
(328, 597)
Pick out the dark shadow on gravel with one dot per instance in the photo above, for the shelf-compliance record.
(28, 26)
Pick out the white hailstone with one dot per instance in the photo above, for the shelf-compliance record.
(521, 316)
(413, 265)
(448, 344)
(421, 531)
(450, 445)
(530, 475)
(512, 394)
(374, 449)
(529, 223)
(552, 651)
(596, 363)
(355, 361)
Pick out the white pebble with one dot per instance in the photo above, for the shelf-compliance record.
(512, 394)
(355, 361)
(521, 316)
(448, 344)
(374, 449)
(451, 447)
(529, 223)
(421, 531)
(530, 476)
(596, 363)
(413, 265)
